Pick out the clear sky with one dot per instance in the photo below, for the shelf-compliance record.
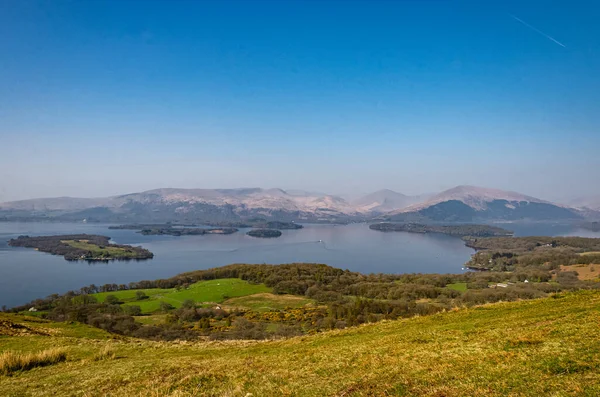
(100, 98)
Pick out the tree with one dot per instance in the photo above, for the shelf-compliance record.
(111, 300)
(165, 307)
(140, 295)
(132, 310)
(188, 304)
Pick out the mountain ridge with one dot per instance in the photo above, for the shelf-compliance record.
(462, 203)
(466, 203)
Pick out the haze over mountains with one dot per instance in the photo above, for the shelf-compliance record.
(459, 204)
(384, 200)
(592, 203)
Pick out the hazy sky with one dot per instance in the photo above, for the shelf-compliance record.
(100, 98)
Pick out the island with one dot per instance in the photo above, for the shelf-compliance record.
(219, 228)
(88, 247)
(264, 233)
(173, 229)
(451, 230)
(185, 231)
(278, 225)
(259, 224)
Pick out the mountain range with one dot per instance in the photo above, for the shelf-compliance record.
(459, 204)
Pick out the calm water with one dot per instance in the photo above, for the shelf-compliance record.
(26, 274)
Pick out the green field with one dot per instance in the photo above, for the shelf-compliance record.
(97, 252)
(545, 347)
(267, 302)
(215, 291)
(461, 287)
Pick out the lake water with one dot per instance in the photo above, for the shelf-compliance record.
(26, 274)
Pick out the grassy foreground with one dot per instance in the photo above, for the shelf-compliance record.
(548, 347)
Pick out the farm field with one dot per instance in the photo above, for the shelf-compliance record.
(214, 291)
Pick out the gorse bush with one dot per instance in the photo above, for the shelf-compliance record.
(11, 362)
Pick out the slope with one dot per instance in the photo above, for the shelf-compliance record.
(541, 347)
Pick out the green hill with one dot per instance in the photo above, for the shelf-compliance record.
(541, 347)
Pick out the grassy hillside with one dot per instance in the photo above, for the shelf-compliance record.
(540, 347)
(203, 291)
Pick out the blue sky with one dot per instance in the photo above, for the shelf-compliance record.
(100, 98)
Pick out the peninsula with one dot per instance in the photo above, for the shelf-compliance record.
(452, 230)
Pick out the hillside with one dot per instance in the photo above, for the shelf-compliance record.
(540, 347)
(472, 203)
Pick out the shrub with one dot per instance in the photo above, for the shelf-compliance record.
(12, 362)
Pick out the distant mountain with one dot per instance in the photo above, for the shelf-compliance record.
(471, 203)
(590, 202)
(384, 200)
(187, 205)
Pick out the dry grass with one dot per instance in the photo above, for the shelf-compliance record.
(584, 272)
(107, 352)
(266, 302)
(11, 362)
